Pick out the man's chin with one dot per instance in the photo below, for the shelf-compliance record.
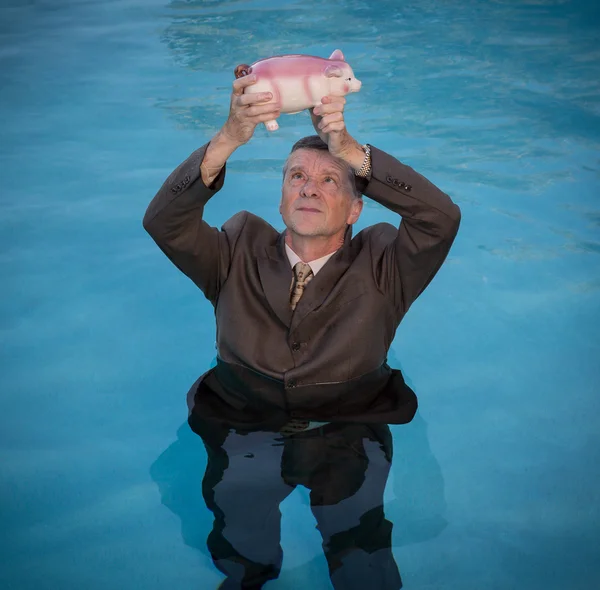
(305, 229)
(307, 232)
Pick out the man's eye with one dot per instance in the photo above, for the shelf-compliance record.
(329, 179)
(296, 175)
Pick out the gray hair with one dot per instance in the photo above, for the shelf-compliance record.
(314, 142)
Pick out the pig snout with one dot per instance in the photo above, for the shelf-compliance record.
(355, 85)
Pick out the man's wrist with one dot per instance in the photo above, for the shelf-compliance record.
(217, 153)
(365, 170)
(354, 155)
(229, 139)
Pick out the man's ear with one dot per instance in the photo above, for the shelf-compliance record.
(355, 211)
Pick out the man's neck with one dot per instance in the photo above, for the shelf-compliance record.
(310, 248)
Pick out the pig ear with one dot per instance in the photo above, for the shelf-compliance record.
(333, 72)
(337, 54)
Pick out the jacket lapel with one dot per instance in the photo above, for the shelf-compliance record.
(276, 277)
(322, 284)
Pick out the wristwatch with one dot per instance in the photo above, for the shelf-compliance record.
(365, 170)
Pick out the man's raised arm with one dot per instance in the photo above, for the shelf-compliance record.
(430, 221)
(174, 216)
(412, 255)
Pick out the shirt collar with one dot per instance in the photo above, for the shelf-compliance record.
(315, 265)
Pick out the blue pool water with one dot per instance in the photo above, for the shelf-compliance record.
(495, 484)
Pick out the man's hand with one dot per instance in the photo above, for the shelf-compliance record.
(246, 111)
(328, 121)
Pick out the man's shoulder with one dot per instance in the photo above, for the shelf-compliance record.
(247, 225)
(248, 222)
(379, 234)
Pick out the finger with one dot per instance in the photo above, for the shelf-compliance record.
(254, 98)
(243, 82)
(332, 118)
(261, 109)
(333, 98)
(331, 107)
(264, 117)
(332, 127)
(335, 101)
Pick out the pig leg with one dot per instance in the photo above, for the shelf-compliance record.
(273, 125)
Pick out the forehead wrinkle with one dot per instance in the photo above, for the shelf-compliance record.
(324, 166)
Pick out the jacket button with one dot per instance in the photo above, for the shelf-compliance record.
(408, 187)
(389, 179)
(291, 383)
(296, 346)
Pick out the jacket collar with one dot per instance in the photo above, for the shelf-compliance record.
(276, 277)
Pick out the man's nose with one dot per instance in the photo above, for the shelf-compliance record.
(309, 189)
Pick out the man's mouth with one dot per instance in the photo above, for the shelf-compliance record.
(309, 209)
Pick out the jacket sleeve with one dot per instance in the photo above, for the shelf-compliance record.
(174, 221)
(430, 221)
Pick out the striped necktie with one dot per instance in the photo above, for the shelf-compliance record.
(303, 274)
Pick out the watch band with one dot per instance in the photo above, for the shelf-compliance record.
(365, 169)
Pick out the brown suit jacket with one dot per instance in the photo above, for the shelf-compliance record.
(327, 359)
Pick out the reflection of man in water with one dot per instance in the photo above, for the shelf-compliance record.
(345, 467)
(305, 318)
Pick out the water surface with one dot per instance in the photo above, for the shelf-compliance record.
(495, 484)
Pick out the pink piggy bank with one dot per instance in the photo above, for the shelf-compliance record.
(300, 81)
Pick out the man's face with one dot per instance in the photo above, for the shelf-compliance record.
(316, 197)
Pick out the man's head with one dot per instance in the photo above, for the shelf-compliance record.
(318, 196)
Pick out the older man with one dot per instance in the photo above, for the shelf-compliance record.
(305, 318)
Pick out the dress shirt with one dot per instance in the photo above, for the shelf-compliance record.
(315, 265)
